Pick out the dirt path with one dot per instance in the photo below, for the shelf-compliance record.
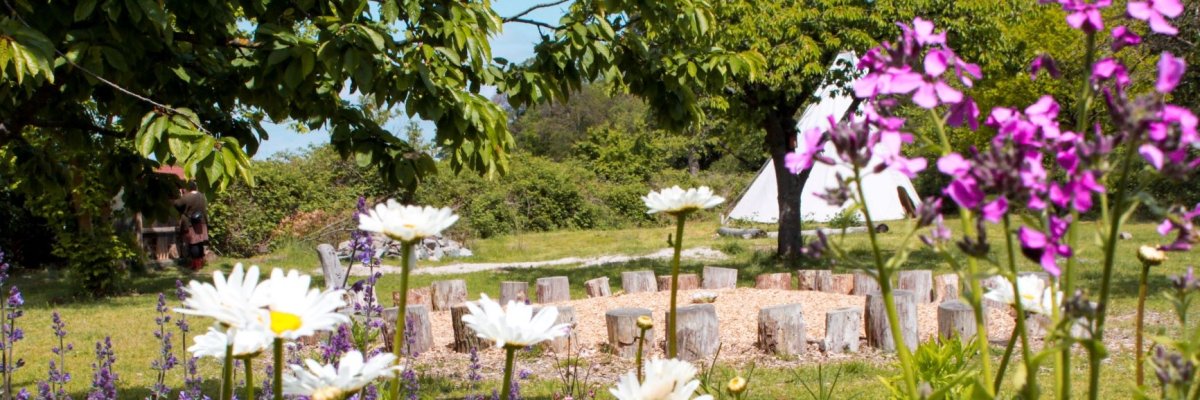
(702, 253)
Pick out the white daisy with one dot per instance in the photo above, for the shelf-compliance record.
(516, 327)
(294, 309)
(246, 343)
(230, 301)
(406, 223)
(327, 382)
(675, 200)
(1035, 296)
(664, 380)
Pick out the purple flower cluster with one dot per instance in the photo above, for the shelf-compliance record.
(104, 377)
(54, 388)
(360, 240)
(9, 362)
(339, 343)
(473, 376)
(191, 376)
(166, 360)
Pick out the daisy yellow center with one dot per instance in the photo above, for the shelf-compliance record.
(327, 393)
(282, 322)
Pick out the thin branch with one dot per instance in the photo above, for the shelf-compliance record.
(532, 22)
(534, 8)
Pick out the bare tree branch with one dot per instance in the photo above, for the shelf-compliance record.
(536, 7)
(532, 22)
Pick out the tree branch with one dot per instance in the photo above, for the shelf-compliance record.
(532, 22)
(521, 14)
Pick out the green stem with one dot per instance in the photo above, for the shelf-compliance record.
(406, 250)
(227, 373)
(641, 343)
(248, 367)
(1063, 378)
(885, 289)
(1141, 314)
(672, 345)
(277, 379)
(975, 297)
(508, 370)
(1030, 372)
(1008, 350)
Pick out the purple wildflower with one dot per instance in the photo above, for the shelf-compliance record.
(104, 378)
(1043, 61)
(1122, 37)
(166, 360)
(1170, 71)
(55, 385)
(1156, 13)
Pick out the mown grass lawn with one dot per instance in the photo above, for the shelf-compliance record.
(129, 319)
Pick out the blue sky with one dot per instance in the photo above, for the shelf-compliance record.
(515, 44)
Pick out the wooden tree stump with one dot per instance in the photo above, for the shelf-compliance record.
(956, 319)
(864, 284)
(820, 280)
(945, 286)
(422, 296)
(418, 332)
(623, 331)
(597, 287)
(553, 289)
(331, 267)
(696, 331)
(560, 345)
(513, 291)
(842, 284)
(448, 294)
(465, 338)
(879, 334)
(780, 281)
(638, 282)
(918, 281)
(719, 278)
(781, 330)
(841, 330)
(686, 282)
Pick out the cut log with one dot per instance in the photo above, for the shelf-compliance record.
(514, 291)
(918, 281)
(719, 278)
(779, 281)
(742, 233)
(465, 338)
(623, 331)
(686, 282)
(956, 319)
(553, 289)
(879, 334)
(696, 330)
(842, 284)
(781, 330)
(945, 286)
(638, 282)
(597, 287)
(864, 284)
(448, 294)
(331, 267)
(820, 280)
(841, 330)
(418, 332)
(421, 296)
(560, 345)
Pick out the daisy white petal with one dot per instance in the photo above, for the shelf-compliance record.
(327, 382)
(231, 301)
(246, 343)
(294, 309)
(664, 380)
(514, 327)
(406, 223)
(675, 200)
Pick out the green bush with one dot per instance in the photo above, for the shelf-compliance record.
(847, 217)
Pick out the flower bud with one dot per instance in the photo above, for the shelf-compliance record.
(644, 322)
(737, 385)
(1151, 255)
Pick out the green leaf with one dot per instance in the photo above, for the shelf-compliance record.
(83, 9)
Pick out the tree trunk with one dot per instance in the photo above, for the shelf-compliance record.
(465, 338)
(842, 283)
(879, 333)
(918, 281)
(841, 330)
(956, 319)
(448, 294)
(686, 282)
(638, 282)
(781, 330)
(719, 278)
(864, 284)
(696, 331)
(780, 281)
(780, 126)
(553, 289)
(623, 331)
(598, 287)
(513, 291)
(820, 280)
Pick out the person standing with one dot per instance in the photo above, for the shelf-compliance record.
(193, 224)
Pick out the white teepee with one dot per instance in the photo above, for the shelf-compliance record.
(886, 192)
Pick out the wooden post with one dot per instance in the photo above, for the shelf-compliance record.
(719, 278)
(553, 289)
(841, 330)
(465, 338)
(421, 295)
(696, 331)
(956, 319)
(623, 331)
(779, 281)
(945, 286)
(638, 282)
(597, 287)
(448, 294)
(918, 281)
(331, 267)
(781, 330)
(842, 283)
(816, 279)
(686, 282)
(513, 291)
(419, 328)
(560, 345)
(864, 284)
(879, 334)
